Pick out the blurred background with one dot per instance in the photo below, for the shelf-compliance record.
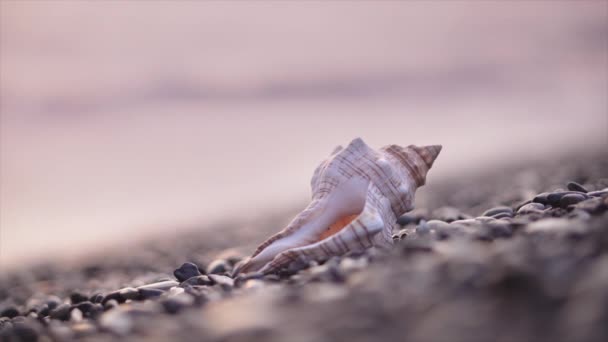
(120, 120)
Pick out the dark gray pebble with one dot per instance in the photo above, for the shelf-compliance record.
(53, 302)
(218, 266)
(150, 293)
(96, 298)
(200, 280)
(10, 312)
(129, 293)
(498, 210)
(44, 310)
(110, 304)
(172, 306)
(554, 198)
(113, 296)
(62, 312)
(406, 219)
(89, 309)
(186, 271)
(531, 208)
(78, 297)
(175, 304)
(574, 186)
(570, 199)
(541, 198)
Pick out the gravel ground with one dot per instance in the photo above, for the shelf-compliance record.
(519, 254)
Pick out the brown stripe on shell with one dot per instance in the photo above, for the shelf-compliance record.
(399, 153)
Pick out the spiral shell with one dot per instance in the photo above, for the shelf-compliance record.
(357, 195)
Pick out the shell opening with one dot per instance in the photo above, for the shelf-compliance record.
(337, 226)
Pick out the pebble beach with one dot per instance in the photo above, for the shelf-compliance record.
(514, 254)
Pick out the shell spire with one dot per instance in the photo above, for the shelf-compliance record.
(357, 195)
(417, 160)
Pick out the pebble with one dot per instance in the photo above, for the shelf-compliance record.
(62, 312)
(162, 285)
(442, 229)
(186, 271)
(554, 225)
(96, 298)
(149, 293)
(241, 279)
(574, 186)
(466, 222)
(570, 199)
(502, 215)
(113, 296)
(579, 214)
(232, 255)
(22, 332)
(554, 198)
(116, 321)
(329, 272)
(273, 278)
(416, 246)
(218, 266)
(78, 297)
(406, 219)
(89, 309)
(422, 228)
(252, 284)
(60, 332)
(499, 229)
(222, 280)
(531, 208)
(348, 265)
(44, 310)
(83, 329)
(110, 304)
(498, 210)
(541, 198)
(176, 303)
(200, 280)
(76, 315)
(594, 206)
(438, 225)
(449, 214)
(413, 217)
(53, 302)
(129, 293)
(598, 193)
(10, 312)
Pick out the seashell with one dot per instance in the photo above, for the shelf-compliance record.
(357, 195)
